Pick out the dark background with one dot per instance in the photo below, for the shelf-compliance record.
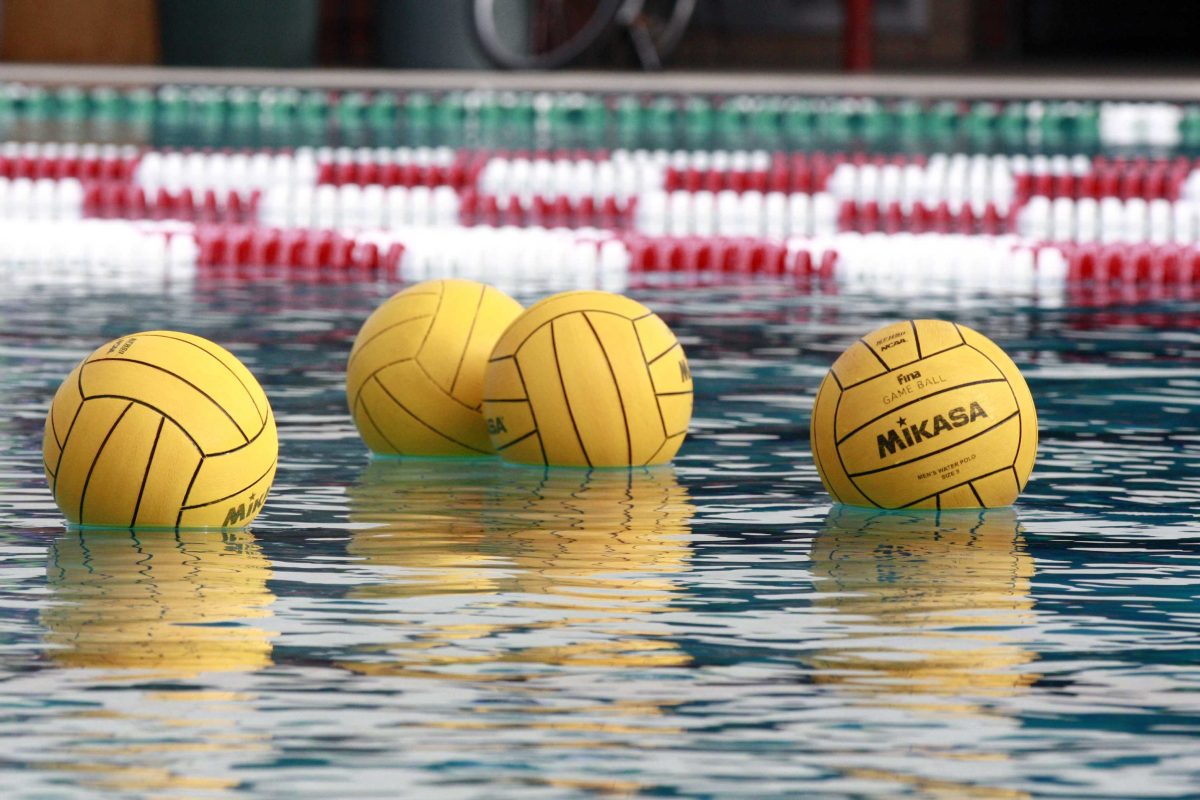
(909, 35)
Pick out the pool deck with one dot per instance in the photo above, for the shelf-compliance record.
(1179, 87)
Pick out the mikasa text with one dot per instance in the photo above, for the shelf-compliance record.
(907, 435)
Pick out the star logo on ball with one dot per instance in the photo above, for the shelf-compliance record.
(901, 422)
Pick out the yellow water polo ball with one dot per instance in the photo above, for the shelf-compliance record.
(589, 379)
(160, 429)
(415, 375)
(924, 414)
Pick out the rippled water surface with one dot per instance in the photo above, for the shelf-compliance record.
(713, 629)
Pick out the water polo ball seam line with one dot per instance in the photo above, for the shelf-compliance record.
(665, 441)
(517, 348)
(462, 356)
(842, 461)
(99, 452)
(186, 494)
(988, 429)
(1012, 391)
(912, 323)
(160, 412)
(137, 505)
(249, 442)
(940, 492)
(532, 411)
(261, 416)
(838, 380)
(181, 379)
(574, 293)
(358, 350)
(662, 418)
(620, 396)
(259, 479)
(974, 491)
(433, 380)
(358, 402)
(520, 438)
(664, 352)
(436, 310)
(374, 376)
(63, 449)
(899, 366)
(53, 427)
(674, 394)
(567, 400)
(879, 358)
(406, 410)
(656, 452)
(1017, 478)
(812, 415)
(921, 399)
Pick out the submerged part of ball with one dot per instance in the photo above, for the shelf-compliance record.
(415, 375)
(924, 414)
(160, 429)
(588, 379)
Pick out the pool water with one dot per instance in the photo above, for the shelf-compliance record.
(466, 629)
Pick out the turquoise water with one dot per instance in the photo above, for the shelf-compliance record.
(713, 629)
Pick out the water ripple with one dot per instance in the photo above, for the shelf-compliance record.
(711, 629)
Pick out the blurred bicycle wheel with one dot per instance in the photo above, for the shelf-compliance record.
(541, 34)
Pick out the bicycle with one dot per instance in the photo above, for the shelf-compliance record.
(547, 34)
